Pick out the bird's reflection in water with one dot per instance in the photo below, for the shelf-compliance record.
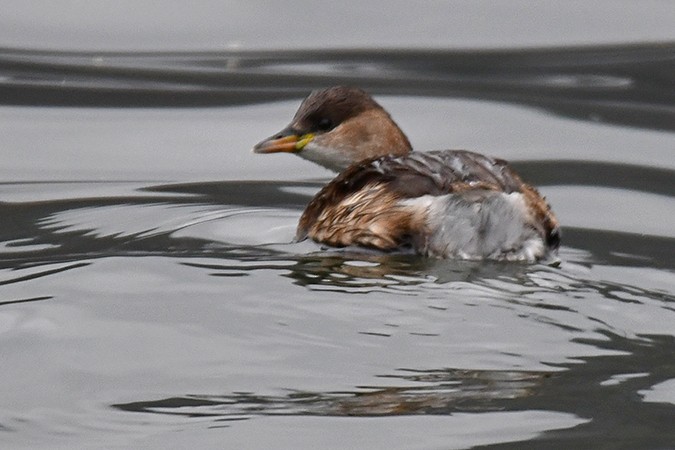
(588, 387)
(361, 271)
(425, 392)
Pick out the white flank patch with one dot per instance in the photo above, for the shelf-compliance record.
(479, 225)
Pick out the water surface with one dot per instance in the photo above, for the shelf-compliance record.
(151, 295)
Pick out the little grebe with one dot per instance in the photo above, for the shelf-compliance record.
(448, 203)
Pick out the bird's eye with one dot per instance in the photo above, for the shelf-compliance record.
(325, 124)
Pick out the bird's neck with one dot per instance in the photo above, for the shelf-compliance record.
(373, 133)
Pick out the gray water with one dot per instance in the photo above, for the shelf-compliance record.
(150, 292)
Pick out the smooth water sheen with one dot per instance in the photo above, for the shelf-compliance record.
(151, 294)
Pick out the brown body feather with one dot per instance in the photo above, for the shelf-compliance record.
(362, 205)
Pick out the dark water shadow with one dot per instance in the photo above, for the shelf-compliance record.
(653, 180)
(26, 300)
(58, 245)
(583, 389)
(621, 84)
(649, 179)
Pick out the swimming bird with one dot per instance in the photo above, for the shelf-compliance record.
(444, 203)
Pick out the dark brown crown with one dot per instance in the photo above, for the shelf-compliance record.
(325, 109)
